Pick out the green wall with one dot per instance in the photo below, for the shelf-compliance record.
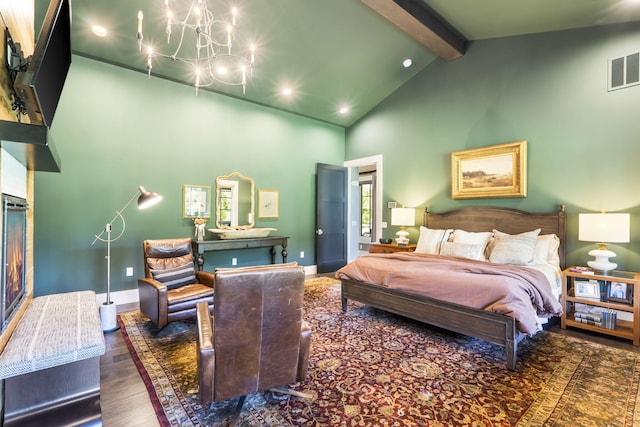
(549, 89)
(115, 129)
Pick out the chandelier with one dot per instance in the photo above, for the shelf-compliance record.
(203, 42)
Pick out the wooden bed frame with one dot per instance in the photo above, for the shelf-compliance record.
(493, 327)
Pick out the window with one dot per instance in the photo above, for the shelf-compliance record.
(366, 209)
(624, 71)
(226, 206)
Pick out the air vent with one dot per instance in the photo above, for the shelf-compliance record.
(624, 71)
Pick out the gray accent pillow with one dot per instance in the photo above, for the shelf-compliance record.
(465, 250)
(176, 277)
(516, 249)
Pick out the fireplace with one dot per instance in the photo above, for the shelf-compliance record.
(14, 246)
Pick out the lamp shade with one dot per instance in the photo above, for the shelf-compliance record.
(147, 198)
(403, 216)
(604, 227)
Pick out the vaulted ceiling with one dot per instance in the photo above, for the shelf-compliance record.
(333, 53)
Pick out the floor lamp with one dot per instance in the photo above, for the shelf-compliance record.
(108, 309)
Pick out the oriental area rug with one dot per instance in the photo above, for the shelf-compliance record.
(371, 368)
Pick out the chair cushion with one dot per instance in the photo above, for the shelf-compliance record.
(176, 277)
(168, 263)
(186, 297)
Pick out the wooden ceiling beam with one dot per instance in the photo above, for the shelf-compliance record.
(416, 20)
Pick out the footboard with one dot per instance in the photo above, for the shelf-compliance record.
(493, 327)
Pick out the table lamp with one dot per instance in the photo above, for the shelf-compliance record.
(404, 217)
(603, 228)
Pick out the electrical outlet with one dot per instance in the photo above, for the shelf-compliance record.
(129, 271)
(234, 261)
(301, 254)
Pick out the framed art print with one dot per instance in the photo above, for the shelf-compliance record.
(268, 204)
(196, 201)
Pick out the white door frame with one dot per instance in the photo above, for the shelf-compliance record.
(365, 161)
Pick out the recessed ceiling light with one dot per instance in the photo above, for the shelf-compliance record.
(407, 63)
(99, 31)
(344, 110)
(287, 91)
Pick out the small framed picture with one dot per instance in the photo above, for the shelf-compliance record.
(620, 292)
(268, 204)
(590, 290)
(196, 201)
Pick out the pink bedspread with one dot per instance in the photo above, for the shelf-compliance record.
(520, 292)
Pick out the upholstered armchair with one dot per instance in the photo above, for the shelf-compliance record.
(258, 339)
(172, 287)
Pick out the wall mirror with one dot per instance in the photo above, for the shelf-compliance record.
(234, 201)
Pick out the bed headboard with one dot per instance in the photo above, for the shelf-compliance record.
(507, 220)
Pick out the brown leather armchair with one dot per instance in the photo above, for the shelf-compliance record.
(258, 339)
(172, 286)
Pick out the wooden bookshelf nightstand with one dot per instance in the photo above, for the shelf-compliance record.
(389, 248)
(595, 292)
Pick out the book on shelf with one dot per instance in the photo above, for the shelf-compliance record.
(587, 316)
(592, 310)
(598, 316)
(621, 315)
(590, 322)
(581, 270)
(609, 318)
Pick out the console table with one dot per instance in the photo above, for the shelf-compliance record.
(201, 246)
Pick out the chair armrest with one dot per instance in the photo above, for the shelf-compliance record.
(158, 286)
(152, 296)
(205, 278)
(305, 348)
(205, 353)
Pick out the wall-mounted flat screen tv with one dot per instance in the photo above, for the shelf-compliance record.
(40, 86)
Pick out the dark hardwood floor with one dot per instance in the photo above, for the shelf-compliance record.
(124, 397)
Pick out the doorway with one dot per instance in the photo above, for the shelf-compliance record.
(365, 175)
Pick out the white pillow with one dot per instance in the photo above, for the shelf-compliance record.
(518, 249)
(430, 240)
(461, 236)
(465, 250)
(477, 238)
(546, 251)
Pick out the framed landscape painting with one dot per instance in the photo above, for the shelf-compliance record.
(494, 171)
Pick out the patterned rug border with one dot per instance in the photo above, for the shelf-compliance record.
(552, 404)
(146, 379)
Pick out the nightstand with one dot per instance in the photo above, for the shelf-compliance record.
(389, 248)
(592, 293)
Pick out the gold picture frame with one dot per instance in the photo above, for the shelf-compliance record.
(494, 171)
(268, 204)
(196, 201)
